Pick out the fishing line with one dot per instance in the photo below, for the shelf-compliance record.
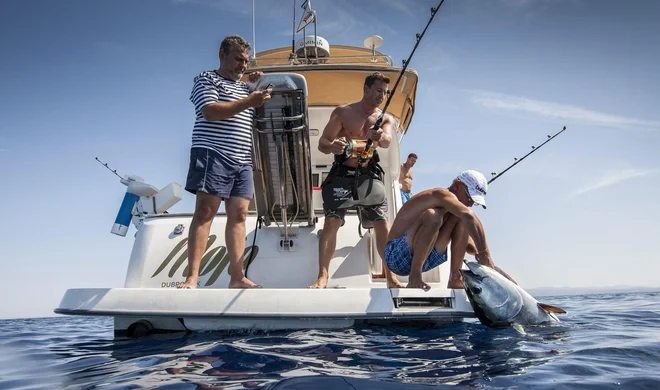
(365, 153)
(517, 160)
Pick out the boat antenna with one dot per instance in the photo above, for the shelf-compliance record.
(106, 165)
(254, 35)
(517, 160)
(365, 153)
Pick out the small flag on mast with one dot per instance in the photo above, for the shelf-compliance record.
(308, 15)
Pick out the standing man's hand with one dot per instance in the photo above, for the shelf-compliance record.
(254, 76)
(258, 98)
(376, 135)
(339, 145)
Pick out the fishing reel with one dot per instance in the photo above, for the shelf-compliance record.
(355, 148)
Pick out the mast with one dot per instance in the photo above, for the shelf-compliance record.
(254, 35)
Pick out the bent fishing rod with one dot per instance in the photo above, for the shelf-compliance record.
(362, 157)
(517, 160)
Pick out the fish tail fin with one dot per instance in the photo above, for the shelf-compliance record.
(551, 309)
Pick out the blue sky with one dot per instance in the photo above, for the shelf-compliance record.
(82, 79)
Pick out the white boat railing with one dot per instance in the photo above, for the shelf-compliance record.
(335, 60)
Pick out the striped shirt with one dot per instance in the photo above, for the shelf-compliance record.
(230, 137)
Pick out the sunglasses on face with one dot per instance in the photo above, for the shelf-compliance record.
(467, 192)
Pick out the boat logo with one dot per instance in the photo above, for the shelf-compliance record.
(214, 261)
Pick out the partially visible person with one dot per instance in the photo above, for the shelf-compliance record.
(425, 226)
(406, 177)
(220, 157)
(355, 122)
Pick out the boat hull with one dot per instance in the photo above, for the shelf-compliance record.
(169, 310)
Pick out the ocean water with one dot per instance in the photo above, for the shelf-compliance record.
(606, 341)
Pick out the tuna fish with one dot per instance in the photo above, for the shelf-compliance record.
(499, 303)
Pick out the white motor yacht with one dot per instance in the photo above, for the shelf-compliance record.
(283, 225)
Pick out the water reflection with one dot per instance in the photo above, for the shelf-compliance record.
(455, 354)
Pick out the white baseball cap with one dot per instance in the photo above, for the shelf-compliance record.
(476, 184)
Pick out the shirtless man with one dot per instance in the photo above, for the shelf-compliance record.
(355, 121)
(406, 177)
(429, 221)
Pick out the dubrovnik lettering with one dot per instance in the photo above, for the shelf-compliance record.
(214, 261)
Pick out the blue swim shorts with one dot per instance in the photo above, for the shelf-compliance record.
(405, 196)
(399, 258)
(209, 172)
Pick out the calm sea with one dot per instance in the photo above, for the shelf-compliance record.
(606, 341)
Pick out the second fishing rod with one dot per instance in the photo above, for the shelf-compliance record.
(362, 157)
(518, 160)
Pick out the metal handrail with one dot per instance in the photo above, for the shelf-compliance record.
(301, 61)
(280, 118)
(291, 130)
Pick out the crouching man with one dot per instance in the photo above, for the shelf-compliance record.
(426, 225)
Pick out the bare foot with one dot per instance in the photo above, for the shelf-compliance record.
(188, 284)
(417, 283)
(321, 282)
(394, 283)
(243, 283)
(455, 282)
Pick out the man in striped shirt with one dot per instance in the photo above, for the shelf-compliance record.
(220, 157)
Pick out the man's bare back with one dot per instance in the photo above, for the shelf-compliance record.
(411, 210)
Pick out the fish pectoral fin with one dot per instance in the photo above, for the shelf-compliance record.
(551, 309)
(518, 328)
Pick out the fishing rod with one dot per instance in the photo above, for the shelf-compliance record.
(365, 153)
(110, 169)
(517, 160)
